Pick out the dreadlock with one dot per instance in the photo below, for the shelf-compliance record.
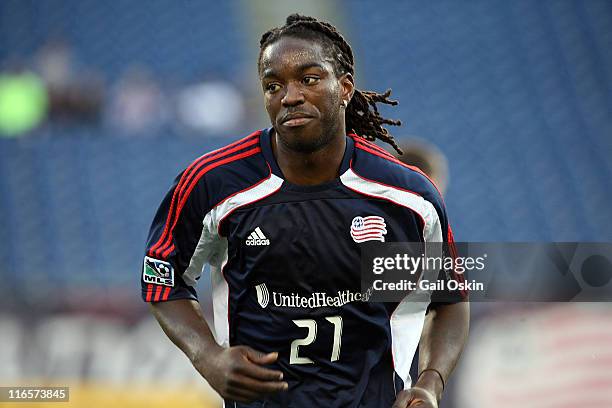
(362, 116)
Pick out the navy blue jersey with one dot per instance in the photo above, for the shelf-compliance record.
(285, 265)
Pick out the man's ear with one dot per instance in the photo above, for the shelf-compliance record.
(347, 84)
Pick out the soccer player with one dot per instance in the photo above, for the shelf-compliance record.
(281, 216)
(428, 158)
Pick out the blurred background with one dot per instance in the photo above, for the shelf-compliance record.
(103, 103)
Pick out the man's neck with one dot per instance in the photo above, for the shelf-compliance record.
(309, 169)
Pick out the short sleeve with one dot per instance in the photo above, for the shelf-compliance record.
(172, 240)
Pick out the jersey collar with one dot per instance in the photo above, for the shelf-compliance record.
(266, 149)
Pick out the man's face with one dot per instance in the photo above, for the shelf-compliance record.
(302, 94)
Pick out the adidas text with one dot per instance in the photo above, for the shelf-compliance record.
(255, 242)
(257, 238)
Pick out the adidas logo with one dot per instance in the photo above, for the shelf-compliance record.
(256, 238)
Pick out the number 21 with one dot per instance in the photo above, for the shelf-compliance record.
(311, 325)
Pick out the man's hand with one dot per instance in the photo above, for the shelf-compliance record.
(415, 397)
(236, 373)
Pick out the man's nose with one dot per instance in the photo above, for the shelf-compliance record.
(293, 95)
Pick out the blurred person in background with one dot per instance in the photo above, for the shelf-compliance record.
(137, 105)
(198, 108)
(76, 93)
(283, 211)
(428, 158)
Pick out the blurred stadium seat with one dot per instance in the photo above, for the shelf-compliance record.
(177, 41)
(78, 207)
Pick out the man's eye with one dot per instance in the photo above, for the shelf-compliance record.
(311, 80)
(272, 88)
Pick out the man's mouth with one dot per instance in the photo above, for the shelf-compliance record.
(296, 119)
(296, 122)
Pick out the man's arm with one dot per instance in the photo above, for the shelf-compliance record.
(236, 373)
(442, 341)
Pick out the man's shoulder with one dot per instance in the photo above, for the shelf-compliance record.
(228, 169)
(231, 154)
(374, 163)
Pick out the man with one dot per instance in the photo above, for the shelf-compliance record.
(280, 217)
(428, 158)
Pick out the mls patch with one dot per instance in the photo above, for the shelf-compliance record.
(158, 272)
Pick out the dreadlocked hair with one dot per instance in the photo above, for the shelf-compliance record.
(361, 115)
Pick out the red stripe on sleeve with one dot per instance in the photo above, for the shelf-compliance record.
(149, 291)
(158, 293)
(188, 175)
(166, 293)
(216, 156)
(453, 248)
(367, 148)
(167, 247)
(371, 144)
